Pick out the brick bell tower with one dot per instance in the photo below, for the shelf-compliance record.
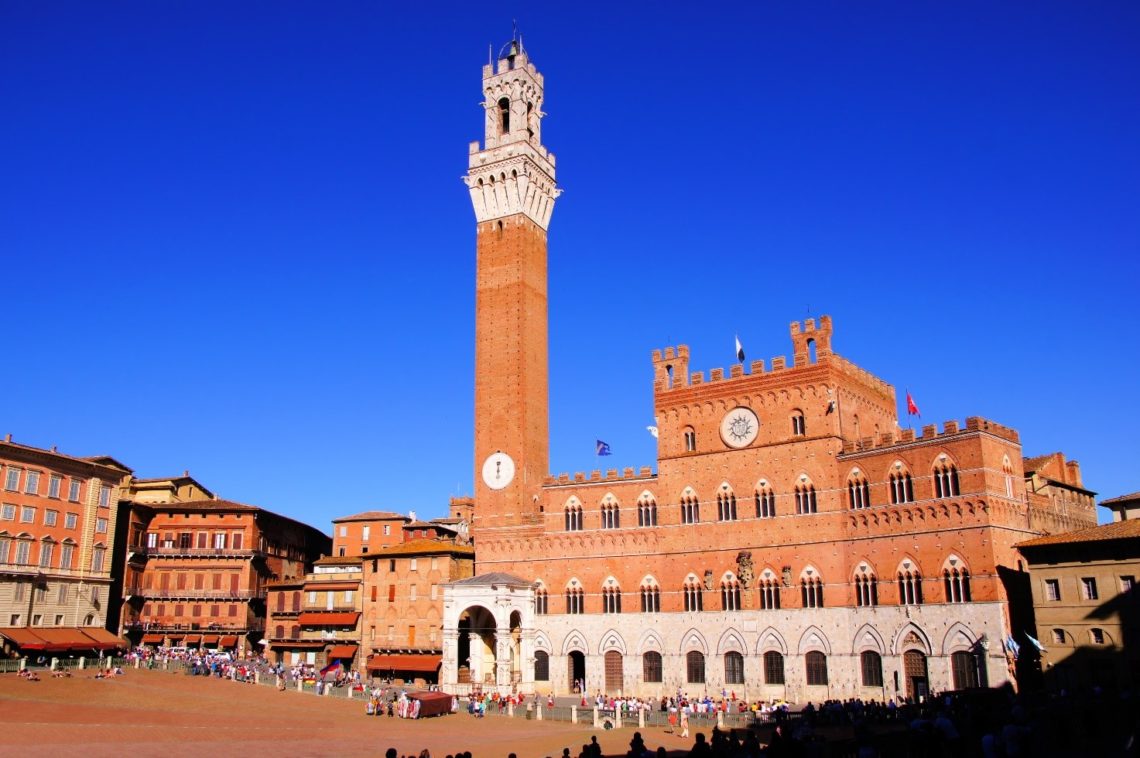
(512, 187)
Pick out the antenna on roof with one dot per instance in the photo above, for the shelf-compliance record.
(490, 53)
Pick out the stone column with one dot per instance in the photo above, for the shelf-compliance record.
(503, 658)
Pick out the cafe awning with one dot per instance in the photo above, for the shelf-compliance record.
(341, 651)
(24, 639)
(209, 639)
(426, 664)
(193, 639)
(150, 639)
(102, 639)
(329, 619)
(228, 640)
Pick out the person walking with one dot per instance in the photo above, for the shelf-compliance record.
(684, 722)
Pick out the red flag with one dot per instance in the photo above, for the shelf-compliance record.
(911, 406)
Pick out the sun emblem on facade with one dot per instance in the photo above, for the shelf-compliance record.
(739, 427)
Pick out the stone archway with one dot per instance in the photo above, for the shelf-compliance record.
(476, 646)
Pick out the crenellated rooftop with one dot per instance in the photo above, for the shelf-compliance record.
(928, 433)
(596, 476)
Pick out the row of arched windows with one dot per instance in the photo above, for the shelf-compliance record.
(955, 586)
(966, 667)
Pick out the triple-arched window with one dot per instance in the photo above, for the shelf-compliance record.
(730, 595)
(858, 491)
(690, 508)
(575, 600)
(646, 511)
(910, 585)
(866, 590)
(611, 515)
(573, 517)
(805, 498)
(811, 591)
(650, 598)
(611, 599)
(901, 485)
(725, 506)
(956, 583)
(769, 594)
(694, 596)
(765, 501)
(945, 479)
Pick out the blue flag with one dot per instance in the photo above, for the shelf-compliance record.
(602, 449)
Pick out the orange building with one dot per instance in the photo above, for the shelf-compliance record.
(58, 517)
(315, 619)
(367, 532)
(403, 605)
(199, 571)
(794, 540)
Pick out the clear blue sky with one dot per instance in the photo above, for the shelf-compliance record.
(234, 237)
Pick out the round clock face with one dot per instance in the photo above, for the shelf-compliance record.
(498, 470)
(739, 427)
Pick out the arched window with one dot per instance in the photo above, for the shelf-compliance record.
(611, 514)
(805, 498)
(956, 582)
(574, 600)
(695, 667)
(690, 440)
(866, 588)
(541, 666)
(650, 598)
(646, 511)
(811, 591)
(98, 554)
(902, 486)
(504, 116)
(573, 517)
(730, 595)
(765, 501)
(816, 663)
(611, 599)
(47, 552)
(945, 479)
(690, 508)
(23, 550)
(964, 670)
(296, 602)
(1007, 474)
(910, 585)
(773, 667)
(651, 667)
(541, 601)
(279, 631)
(872, 666)
(798, 427)
(280, 603)
(733, 668)
(694, 596)
(725, 506)
(858, 491)
(769, 594)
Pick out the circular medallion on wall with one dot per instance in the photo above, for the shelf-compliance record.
(739, 427)
(498, 470)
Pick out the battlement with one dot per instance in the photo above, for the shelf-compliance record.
(929, 432)
(671, 367)
(807, 337)
(862, 374)
(596, 477)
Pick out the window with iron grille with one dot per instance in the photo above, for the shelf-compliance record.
(872, 665)
(733, 668)
(695, 667)
(773, 667)
(651, 667)
(541, 666)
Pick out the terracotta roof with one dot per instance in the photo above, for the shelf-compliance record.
(1118, 530)
(1121, 499)
(223, 506)
(372, 516)
(416, 524)
(338, 560)
(423, 547)
(93, 460)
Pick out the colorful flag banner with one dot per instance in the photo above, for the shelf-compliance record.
(602, 449)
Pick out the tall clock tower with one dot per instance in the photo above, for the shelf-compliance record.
(513, 191)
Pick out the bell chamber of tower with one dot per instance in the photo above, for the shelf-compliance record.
(512, 186)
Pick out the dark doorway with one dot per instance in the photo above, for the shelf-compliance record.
(614, 678)
(576, 670)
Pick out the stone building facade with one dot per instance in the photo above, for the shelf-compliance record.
(58, 516)
(1086, 606)
(794, 541)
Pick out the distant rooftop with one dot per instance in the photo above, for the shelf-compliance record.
(1118, 530)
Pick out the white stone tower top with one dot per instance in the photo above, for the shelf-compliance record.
(513, 173)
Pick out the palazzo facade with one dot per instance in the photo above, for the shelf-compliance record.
(794, 541)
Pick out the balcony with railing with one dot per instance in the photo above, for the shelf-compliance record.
(176, 624)
(166, 593)
(175, 551)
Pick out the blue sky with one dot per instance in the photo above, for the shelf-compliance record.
(235, 240)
